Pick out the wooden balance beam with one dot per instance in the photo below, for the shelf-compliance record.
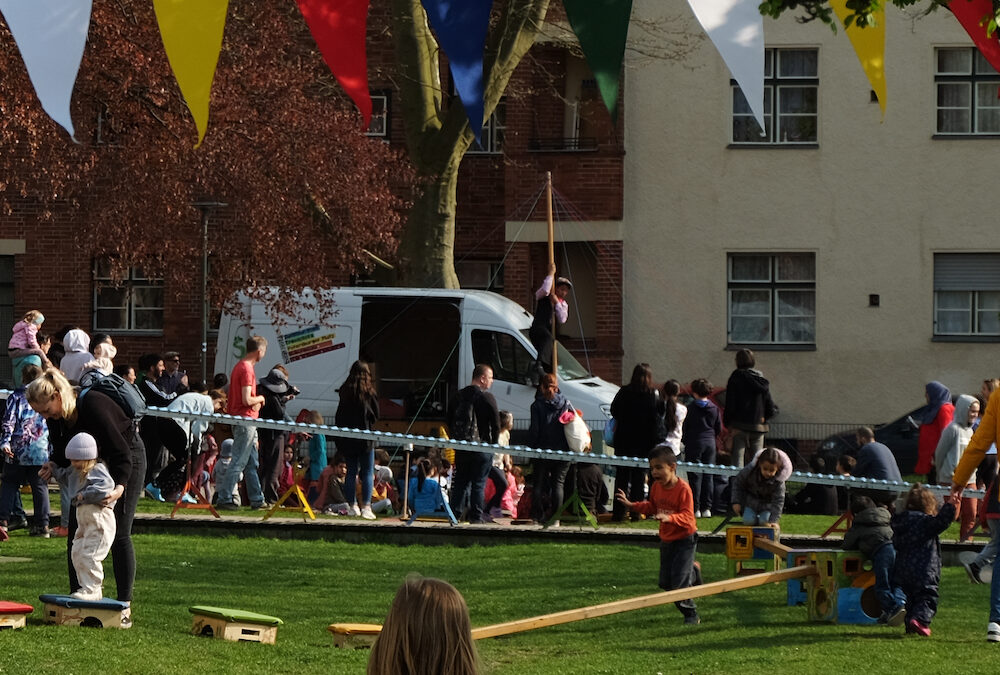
(357, 635)
(643, 601)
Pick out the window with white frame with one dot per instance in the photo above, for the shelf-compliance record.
(772, 298)
(134, 303)
(379, 125)
(967, 294)
(491, 141)
(791, 91)
(968, 92)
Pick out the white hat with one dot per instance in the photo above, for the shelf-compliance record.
(81, 446)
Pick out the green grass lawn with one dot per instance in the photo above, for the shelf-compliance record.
(310, 584)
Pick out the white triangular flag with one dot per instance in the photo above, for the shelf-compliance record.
(51, 36)
(736, 28)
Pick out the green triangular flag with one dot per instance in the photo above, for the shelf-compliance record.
(601, 26)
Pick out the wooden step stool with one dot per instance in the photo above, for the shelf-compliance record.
(234, 625)
(354, 635)
(13, 614)
(66, 610)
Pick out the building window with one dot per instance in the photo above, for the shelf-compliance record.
(968, 92)
(491, 141)
(967, 294)
(772, 298)
(483, 275)
(133, 304)
(379, 125)
(791, 87)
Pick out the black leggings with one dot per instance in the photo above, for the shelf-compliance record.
(122, 551)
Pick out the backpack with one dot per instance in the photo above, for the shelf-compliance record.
(114, 386)
(462, 420)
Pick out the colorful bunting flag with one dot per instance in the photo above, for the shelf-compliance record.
(339, 28)
(192, 36)
(973, 15)
(736, 28)
(869, 45)
(461, 27)
(601, 26)
(51, 36)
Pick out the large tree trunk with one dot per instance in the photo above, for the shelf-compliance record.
(437, 135)
(427, 248)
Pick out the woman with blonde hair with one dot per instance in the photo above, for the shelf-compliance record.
(118, 445)
(427, 632)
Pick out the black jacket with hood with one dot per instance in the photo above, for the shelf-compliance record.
(748, 401)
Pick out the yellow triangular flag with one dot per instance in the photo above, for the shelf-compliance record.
(192, 36)
(869, 45)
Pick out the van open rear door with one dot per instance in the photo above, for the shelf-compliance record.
(413, 346)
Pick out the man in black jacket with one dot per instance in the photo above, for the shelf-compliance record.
(474, 417)
(157, 456)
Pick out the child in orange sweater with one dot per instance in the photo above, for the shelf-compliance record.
(670, 501)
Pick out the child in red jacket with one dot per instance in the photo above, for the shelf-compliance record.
(670, 501)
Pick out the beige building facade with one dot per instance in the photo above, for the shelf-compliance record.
(857, 256)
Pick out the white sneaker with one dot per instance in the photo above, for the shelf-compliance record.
(366, 513)
(993, 632)
(355, 511)
(83, 595)
(697, 514)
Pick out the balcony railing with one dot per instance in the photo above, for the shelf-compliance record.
(574, 144)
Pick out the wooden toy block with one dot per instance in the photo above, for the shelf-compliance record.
(14, 614)
(66, 610)
(739, 542)
(234, 625)
(822, 588)
(354, 635)
(797, 593)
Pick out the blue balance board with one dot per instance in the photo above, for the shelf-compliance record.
(76, 603)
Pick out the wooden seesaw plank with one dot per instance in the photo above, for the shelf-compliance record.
(772, 547)
(643, 601)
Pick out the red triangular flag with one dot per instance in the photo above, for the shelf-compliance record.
(339, 26)
(973, 14)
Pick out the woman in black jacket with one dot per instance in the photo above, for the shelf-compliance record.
(358, 409)
(118, 444)
(639, 418)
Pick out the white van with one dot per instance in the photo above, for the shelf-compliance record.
(422, 344)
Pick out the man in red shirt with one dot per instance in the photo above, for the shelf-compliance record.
(243, 402)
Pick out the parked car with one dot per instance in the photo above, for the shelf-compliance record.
(901, 436)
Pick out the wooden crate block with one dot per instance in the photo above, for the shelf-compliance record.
(354, 635)
(13, 614)
(234, 625)
(70, 611)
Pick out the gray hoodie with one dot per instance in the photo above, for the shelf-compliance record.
(90, 489)
(954, 438)
(77, 345)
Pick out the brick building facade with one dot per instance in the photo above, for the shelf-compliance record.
(550, 121)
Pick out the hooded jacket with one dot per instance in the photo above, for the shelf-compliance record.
(954, 439)
(77, 344)
(934, 418)
(748, 401)
(870, 531)
(768, 494)
(546, 431)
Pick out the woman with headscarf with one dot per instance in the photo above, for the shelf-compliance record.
(933, 419)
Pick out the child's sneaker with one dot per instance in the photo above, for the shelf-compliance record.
(896, 616)
(127, 618)
(39, 531)
(917, 628)
(3, 533)
(993, 632)
(972, 569)
(692, 619)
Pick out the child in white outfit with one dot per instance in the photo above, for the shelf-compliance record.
(89, 483)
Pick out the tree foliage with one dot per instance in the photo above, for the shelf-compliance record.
(861, 11)
(310, 196)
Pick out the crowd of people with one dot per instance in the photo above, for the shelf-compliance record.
(58, 424)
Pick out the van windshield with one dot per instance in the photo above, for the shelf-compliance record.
(569, 368)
